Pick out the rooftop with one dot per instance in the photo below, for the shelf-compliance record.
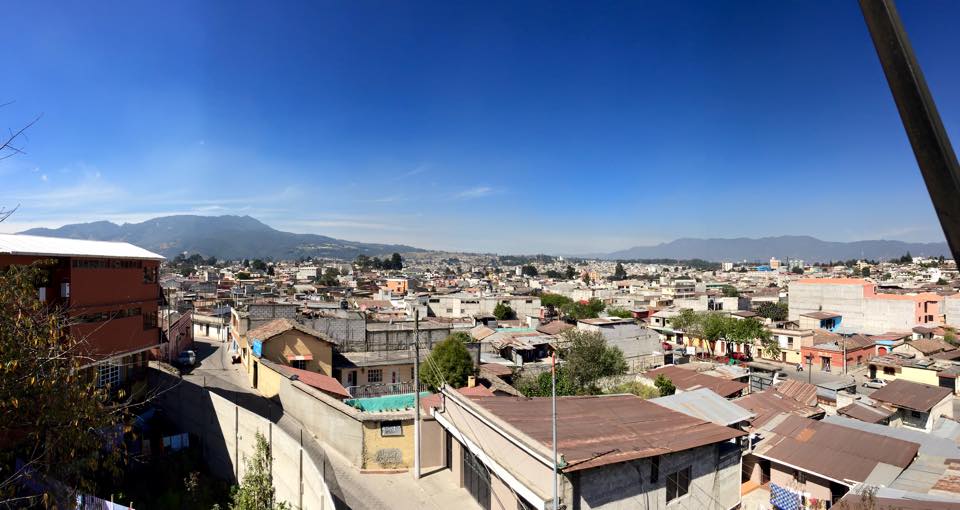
(600, 430)
(706, 405)
(17, 244)
(687, 380)
(911, 395)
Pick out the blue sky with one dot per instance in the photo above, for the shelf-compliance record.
(485, 126)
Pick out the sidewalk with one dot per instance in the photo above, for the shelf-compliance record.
(437, 490)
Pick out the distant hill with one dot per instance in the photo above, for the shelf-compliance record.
(224, 237)
(806, 248)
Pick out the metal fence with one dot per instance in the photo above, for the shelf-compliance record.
(380, 390)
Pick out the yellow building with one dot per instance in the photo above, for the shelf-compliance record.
(892, 367)
(287, 342)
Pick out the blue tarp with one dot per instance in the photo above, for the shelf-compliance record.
(783, 498)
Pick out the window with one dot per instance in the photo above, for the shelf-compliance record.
(65, 289)
(149, 321)
(108, 374)
(678, 484)
(391, 428)
(655, 469)
(916, 414)
(299, 363)
(375, 375)
(889, 371)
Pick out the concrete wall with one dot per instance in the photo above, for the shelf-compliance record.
(226, 434)
(355, 434)
(785, 477)
(347, 328)
(628, 484)
(845, 299)
(952, 309)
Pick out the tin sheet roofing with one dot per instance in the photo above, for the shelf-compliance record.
(911, 395)
(600, 430)
(17, 244)
(769, 404)
(831, 451)
(705, 405)
(686, 379)
(864, 412)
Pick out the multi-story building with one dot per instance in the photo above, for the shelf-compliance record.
(468, 305)
(110, 291)
(857, 307)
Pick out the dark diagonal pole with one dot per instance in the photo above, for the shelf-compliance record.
(935, 156)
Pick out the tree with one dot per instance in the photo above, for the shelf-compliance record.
(579, 310)
(362, 261)
(942, 281)
(796, 270)
(865, 272)
(396, 262)
(449, 362)
(570, 273)
(53, 417)
(555, 301)
(256, 491)
(245, 263)
(271, 271)
(539, 384)
(242, 275)
(503, 312)
(906, 259)
(529, 270)
(619, 312)
(619, 273)
(730, 291)
(664, 385)
(773, 311)
(637, 388)
(586, 278)
(553, 273)
(258, 265)
(330, 277)
(211, 261)
(587, 358)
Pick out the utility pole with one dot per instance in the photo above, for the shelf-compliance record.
(416, 392)
(553, 424)
(809, 368)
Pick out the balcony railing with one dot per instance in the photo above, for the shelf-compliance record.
(379, 390)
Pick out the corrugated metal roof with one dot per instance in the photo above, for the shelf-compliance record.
(599, 430)
(688, 379)
(705, 405)
(17, 244)
(769, 404)
(864, 412)
(834, 452)
(911, 395)
(929, 443)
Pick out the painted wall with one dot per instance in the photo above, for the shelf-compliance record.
(297, 343)
(387, 452)
(814, 486)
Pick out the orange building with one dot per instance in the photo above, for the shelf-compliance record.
(109, 290)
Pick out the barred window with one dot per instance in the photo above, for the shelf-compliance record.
(375, 375)
(108, 374)
(678, 484)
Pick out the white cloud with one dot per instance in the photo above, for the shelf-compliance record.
(43, 178)
(476, 192)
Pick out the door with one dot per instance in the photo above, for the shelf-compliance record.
(783, 357)
(255, 373)
(352, 378)
(476, 479)
(448, 450)
(825, 363)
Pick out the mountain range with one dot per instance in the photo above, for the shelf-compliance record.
(806, 248)
(237, 237)
(224, 237)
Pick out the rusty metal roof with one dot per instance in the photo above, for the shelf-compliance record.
(688, 379)
(599, 430)
(864, 412)
(769, 404)
(706, 405)
(798, 390)
(834, 452)
(911, 395)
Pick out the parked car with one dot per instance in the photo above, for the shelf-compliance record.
(739, 356)
(187, 359)
(874, 383)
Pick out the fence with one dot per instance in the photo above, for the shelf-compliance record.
(380, 390)
(227, 431)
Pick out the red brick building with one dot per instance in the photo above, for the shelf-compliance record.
(110, 291)
(828, 350)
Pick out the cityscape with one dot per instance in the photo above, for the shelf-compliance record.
(319, 320)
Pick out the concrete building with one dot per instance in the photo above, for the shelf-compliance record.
(791, 342)
(286, 342)
(615, 451)
(860, 308)
(916, 405)
(110, 291)
(467, 305)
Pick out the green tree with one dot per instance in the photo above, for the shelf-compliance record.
(553, 273)
(619, 312)
(362, 261)
(637, 388)
(730, 291)
(53, 417)
(449, 362)
(586, 278)
(773, 311)
(256, 491)
(539, 384)
(577, 310)
(906, 259)
(587, 358)
(211, 261)
(330, 277)
(529, 270)
(554, 300)
(503, 312)
(271, 271)
(664, 385)
(242, 276)
(796, 270)
(570, 273)
(865, 272)
(950, 336)
(619, 273)
(942, 281)
(396, 262)
(258, 265)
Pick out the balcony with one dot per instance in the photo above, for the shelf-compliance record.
(380, 390)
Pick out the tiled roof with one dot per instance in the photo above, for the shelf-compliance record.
(280, 326)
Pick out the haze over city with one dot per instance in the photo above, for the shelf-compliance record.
(488, 128)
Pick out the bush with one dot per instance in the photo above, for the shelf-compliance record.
(664, 385)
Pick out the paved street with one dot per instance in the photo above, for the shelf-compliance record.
(436, 490)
